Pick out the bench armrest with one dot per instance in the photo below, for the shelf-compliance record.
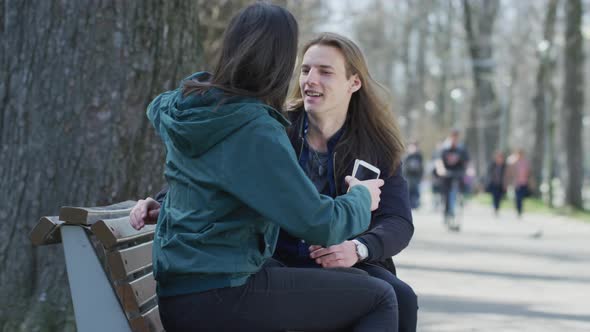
(96, 307)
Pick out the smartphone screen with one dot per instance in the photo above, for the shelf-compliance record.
(365, 171)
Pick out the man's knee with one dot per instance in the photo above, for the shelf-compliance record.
(352, 270)
(406, 296)
(389, 296)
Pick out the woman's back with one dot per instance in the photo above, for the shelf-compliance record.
(226, 166)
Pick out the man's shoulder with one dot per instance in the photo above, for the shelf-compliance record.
(294, 114)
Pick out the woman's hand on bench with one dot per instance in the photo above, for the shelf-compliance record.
(145, 212)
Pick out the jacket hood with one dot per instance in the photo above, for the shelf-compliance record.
(197, 122)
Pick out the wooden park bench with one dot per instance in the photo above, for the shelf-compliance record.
(109, 266)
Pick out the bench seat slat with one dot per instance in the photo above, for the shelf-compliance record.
(112, 232)
(90, 215)
(125, 262)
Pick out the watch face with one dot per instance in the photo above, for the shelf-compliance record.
(364, 252)
(361, 250)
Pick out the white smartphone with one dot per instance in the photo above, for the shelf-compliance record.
(364, 171)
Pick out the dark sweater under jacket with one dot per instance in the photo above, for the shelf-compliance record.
(391, 224)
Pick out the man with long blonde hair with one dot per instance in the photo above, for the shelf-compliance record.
(339, 114)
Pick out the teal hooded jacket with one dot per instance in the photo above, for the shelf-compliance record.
(234, 180)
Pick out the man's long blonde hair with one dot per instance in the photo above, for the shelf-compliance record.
(371, 131)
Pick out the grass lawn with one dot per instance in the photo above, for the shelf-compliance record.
(535, 205)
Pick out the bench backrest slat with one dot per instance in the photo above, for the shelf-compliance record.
(90, 215)
(46, 231)
(125, 262)
(148, 322)
(126, 255)
(137, 293)
(113, 232)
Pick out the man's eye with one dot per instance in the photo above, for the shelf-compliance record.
(304, 71)
(326, 72)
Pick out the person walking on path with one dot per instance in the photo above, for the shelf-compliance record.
(451, 166)
(413, 167)
(518, 176)
(496, 185)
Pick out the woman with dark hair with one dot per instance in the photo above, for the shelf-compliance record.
(232, 175)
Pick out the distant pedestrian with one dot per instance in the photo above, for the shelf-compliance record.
(435, 179)
(517, 174)
(495, 184)
(451, 166)
(413, 170)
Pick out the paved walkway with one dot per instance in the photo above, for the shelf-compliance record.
(499, 274)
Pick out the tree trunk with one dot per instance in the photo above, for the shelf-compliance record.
(543, 100)
(443, 49)
(573, 103)
(420, 71)
(409, 97)
(75, 80)
(479, 16)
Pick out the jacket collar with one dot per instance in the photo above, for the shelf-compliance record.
(299, 119)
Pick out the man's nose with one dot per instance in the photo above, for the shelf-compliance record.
(312, 77)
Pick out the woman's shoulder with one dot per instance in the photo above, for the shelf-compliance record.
(268, 115)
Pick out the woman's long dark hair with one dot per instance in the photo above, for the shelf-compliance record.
(257, 56)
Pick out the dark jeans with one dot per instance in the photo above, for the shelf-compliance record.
(414, 191)
(519, 194)
(497, 193)
(406, 298)
(451, 189)
(279, 299)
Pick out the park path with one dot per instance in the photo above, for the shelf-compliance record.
(499, 274)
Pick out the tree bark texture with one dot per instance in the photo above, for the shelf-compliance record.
(543, 99)
(573, 103)
(484, 119)
(443, 42)
(75, 80)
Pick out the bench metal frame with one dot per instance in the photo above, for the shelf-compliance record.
(90, 288)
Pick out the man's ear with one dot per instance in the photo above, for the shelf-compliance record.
(356, 83)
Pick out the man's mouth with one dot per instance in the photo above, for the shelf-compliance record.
(311, 93)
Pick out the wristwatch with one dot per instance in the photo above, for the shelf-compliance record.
(361, 250)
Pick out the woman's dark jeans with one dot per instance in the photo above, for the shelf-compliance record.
(280, 299)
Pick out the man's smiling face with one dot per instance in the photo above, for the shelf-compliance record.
(323, 80)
